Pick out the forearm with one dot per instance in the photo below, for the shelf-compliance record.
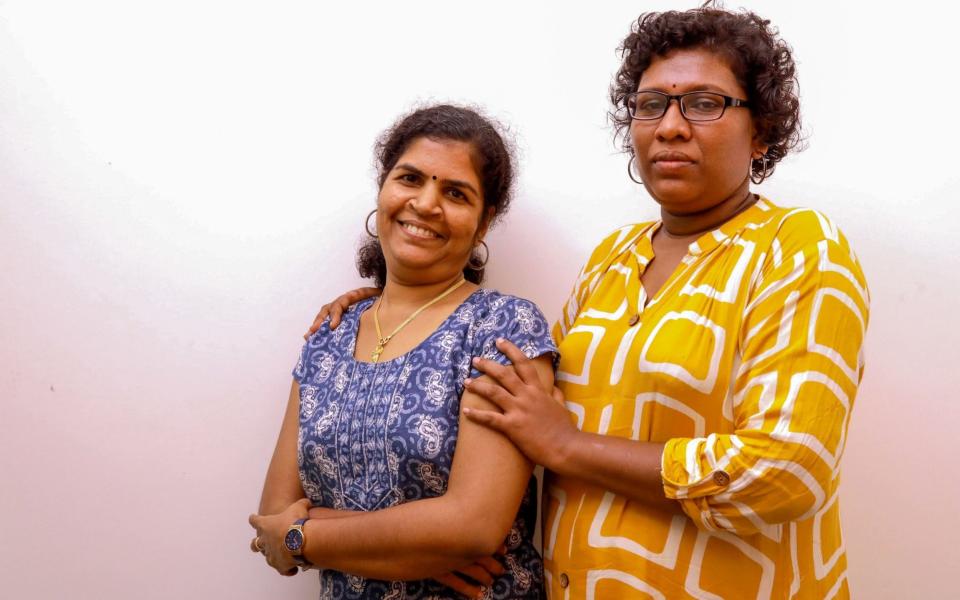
(281, 488)
(415, 540)
(430, 537)
(276, 500)
(626, 467)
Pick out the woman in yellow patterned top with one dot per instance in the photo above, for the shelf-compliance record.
(709, 359)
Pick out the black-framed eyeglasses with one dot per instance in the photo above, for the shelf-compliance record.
(694, 106)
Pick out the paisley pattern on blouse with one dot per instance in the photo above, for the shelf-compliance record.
(376, 435)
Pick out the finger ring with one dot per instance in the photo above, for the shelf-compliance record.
(255, 545)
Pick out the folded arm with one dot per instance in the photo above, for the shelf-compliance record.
(424, 538)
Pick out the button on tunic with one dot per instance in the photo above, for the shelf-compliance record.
(745, 364)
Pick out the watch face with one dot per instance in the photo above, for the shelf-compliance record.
(293, 540)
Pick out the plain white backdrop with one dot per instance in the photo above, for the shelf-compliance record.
(183, 184)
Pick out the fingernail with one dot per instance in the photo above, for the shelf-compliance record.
(467, 381)
(476, 360)
(500, 340)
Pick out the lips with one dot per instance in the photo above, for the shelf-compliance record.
(671, 163)
(672, 156)
(419, 230)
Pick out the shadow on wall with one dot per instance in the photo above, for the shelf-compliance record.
(532, 255)
(539, 249)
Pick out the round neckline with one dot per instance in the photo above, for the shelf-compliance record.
(362, 309)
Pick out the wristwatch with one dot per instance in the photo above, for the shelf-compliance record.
(294, 541)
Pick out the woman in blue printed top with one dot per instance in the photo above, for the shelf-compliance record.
(376, 480)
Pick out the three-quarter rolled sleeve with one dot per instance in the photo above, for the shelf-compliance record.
(800, 364)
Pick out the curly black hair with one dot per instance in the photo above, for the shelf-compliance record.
(760, 60)
(493, 158)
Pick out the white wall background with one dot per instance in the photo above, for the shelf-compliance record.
(182, 185)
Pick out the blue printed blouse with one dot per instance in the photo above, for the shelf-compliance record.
(376, 435)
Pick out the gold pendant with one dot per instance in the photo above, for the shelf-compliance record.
(375, 356)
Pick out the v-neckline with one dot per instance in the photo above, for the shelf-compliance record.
(362, 309)
(701, 246)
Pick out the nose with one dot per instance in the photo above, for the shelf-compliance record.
(673, 124)
(426, 201)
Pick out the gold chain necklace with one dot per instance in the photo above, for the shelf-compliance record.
(383, 341)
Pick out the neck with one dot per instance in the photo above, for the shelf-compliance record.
(400, 294)
(695, 224)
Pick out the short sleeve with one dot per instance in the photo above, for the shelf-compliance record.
(325, 348)
(300, 369)
(517, 320)
(306, 361)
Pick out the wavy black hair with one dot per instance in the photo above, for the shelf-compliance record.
(493, 158)
(760, 60)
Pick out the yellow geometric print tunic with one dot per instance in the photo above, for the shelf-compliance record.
(745, 364)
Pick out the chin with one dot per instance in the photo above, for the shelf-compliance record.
(675, 195)
(421, 268)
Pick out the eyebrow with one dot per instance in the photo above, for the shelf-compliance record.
(454, 182)
(698, 87)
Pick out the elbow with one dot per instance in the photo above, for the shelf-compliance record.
(490, 543)
(760, 509)
(481, 541)
(785, 506)
(470, 526)
(796, 490)
(768, 482)
(477, 533)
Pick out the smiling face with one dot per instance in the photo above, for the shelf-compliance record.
(430, 211)
(689, 167)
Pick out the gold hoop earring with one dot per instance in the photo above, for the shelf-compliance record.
(366, 225)
(479, 265)
(630, 171)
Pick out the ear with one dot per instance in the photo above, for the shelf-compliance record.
(485, 221)
(759, 147)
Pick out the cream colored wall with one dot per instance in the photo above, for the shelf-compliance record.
(182, 185)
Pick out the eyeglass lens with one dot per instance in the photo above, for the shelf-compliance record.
(698, 106)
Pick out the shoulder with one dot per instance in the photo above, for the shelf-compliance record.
(346, 330)
(617, 242)
(809, 234)
(497, 310)
(517, 319)
(799, 227)
(610, 249)
(325, 349)
(487, 302)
